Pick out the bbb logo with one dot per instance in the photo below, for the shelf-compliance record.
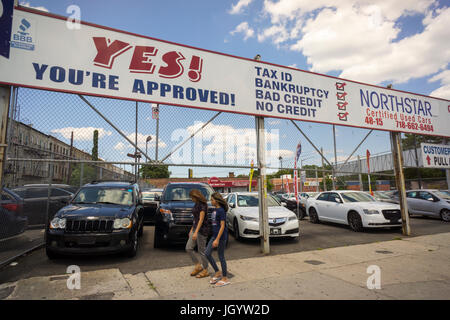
(22, 35)
(23, 38)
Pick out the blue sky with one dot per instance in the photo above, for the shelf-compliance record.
(379, 42)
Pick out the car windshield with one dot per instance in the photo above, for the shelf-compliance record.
(443, 194)
(181, 193)
(357, 197)
(120, 196)
(150, 195)
(250, 200)
(379, 195)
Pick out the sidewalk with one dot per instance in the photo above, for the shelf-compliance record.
(411, 268)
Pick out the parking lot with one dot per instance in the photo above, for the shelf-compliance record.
(312, 237)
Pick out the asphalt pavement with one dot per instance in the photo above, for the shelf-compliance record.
(312, 237)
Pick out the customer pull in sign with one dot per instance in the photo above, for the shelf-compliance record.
(100, 61)
(435, 155)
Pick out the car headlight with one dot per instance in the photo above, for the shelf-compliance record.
(366, 211)
(166, 213)
(124, 223)
(292, 218)
(246, 218)
(58, 223)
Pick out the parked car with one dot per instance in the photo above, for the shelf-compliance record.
(35, 202)
(432, 203)
(12, 220)
(106, 217)
(174, 214)
(243, 217)
(150, 202)
(383, 197)
(357, 209)
(66, 187)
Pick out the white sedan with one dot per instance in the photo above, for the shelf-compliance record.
(243, 217)
(357, 209)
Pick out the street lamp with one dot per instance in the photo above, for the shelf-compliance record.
(146, 144)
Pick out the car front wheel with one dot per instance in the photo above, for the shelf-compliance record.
(355, 222)
(445, 215)
(313, 216)
(237, 236)
(134, 244)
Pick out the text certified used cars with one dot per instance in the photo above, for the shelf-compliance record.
(243, 217)
(357, 209)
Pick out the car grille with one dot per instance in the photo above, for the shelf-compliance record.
(276, 222)
(182, 217)
(86, 226)
(391, 214)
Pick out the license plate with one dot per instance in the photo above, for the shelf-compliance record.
(87, 240)
(275, 231)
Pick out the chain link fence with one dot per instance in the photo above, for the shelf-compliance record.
(58, 142)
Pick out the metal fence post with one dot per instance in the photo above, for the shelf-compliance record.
(5, 95)
(361, 186)
(262, 191)
(81, 174)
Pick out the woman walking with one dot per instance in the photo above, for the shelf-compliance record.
(198, 234)
(218, 240)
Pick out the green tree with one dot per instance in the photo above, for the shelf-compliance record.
(408, 140)
(89, 174)
(154, 172)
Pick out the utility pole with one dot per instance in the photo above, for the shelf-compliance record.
(323, 172)
(419, 176)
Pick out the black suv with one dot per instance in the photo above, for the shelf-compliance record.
(173, 218)
(104, 217)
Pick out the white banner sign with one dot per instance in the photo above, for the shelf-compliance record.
(435, 155)
(95, 60)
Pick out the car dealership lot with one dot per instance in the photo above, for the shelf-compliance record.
(312, 237)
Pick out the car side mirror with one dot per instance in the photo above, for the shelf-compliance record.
(430, 199)
(157, 198)
(284, 204)
(232, 205)
(338, 200)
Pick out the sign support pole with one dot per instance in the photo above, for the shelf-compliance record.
(400, 180)
(5, 94)
(262, 192)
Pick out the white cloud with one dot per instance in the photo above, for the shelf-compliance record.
(28, 5)
(245, 29)
(238, 7)
(359, 38)
(224, 143)
(81, 134)
(141, 142)
(444, 90)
